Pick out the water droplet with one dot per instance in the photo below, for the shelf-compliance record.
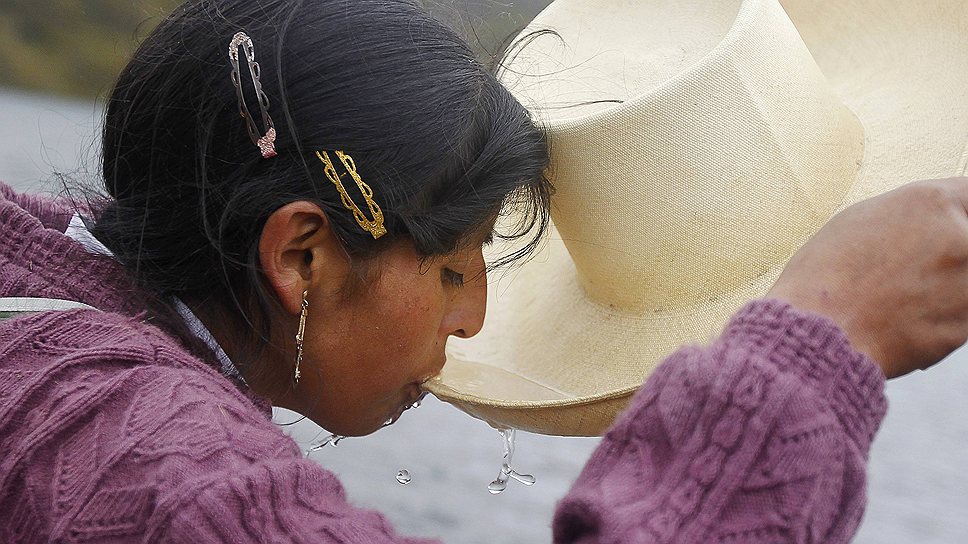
(331, 440)
(501, 482)
(497, 486)
(404, 477)
(416, 404)
(392, 420)
(525, 479)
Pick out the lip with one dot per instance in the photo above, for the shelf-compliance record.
(416, 394)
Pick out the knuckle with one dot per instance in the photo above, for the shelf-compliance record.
(950, 192)
(955, 340)
(958, 180)
(951, 235)
(953, 253)
(937, 202)
(951, 333)
(931, 194)
(955, 256)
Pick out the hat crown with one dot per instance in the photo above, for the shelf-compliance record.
(733, 137)
(744, 151)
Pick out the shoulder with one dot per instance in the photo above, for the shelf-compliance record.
(101, 362)
(106, 417)
(60, 345)
(51, 213)
(103, 340)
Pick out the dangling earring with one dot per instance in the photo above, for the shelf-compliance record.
(300, 333)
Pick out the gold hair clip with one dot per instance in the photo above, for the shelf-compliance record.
(374, 227)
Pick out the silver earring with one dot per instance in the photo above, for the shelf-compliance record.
(301, 333)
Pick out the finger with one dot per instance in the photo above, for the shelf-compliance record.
(955, 187)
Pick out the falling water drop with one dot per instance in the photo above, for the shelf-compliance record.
(497, 486)
(404, 477)
(501, 482)
(525, 479)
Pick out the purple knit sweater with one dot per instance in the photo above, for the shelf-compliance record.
(113, 431)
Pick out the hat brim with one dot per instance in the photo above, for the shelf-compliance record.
(550, 360)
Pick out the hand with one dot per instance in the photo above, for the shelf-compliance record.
(892, 271)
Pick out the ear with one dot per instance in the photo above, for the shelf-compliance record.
(299, 252)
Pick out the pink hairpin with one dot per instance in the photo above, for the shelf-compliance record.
(265, 143)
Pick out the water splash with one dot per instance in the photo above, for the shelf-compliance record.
(404, 477)
(507, 472)
(526, 479)
(331, 440)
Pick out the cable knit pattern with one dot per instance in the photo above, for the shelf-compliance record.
(114, 431)
(761, 437)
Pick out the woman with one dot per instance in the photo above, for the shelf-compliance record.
(315, 247)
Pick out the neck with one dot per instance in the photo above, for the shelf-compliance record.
(255, 353)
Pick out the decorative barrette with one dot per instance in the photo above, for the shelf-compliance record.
(265, 143)
(375, 226)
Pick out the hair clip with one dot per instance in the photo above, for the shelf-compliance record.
(266, 142)
(374, 227)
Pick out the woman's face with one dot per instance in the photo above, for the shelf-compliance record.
(367, 354)
(369, 342)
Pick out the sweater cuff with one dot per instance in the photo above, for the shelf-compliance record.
(818, 352)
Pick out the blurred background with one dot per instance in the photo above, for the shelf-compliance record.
(57, 57)
(76, 47)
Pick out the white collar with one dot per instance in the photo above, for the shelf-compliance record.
(78, 231)
(202, 333)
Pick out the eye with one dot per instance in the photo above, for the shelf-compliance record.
(454, 278)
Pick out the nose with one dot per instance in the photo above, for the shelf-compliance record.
(465, 317)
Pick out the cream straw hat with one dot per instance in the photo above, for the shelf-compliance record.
(743, 126)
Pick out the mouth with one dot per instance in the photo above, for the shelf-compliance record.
(415, 395)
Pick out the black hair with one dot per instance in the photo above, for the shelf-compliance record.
(440, 141)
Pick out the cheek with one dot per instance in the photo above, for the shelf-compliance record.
(409, 318)
(370, 351)
(385, 342)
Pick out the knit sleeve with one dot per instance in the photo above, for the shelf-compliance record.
(761, 437)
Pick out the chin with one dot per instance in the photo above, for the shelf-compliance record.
(367, 419)
(357, 429)
(360, 426)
